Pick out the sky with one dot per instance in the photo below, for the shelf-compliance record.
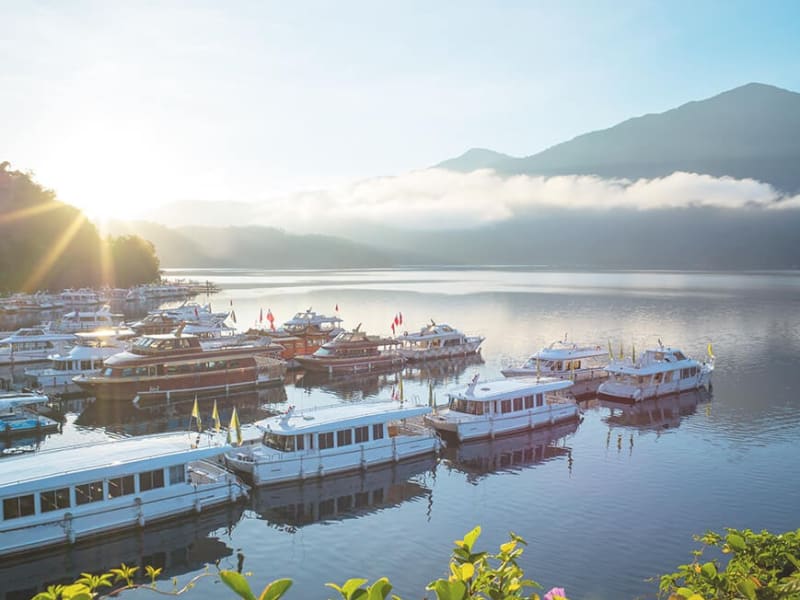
(124, 107)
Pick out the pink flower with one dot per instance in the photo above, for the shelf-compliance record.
(556, 594)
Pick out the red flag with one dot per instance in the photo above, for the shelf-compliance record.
(261, 315)
(401, 318)
(337, 307)
(396, 320)
(392, 327)
(271, 319)
(196, 314)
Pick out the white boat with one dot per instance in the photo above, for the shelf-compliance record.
(437, 341)
(658, 371)
(65, 495)
(297, 446)
(583, 364)
(311, 323)
(214, 334)
(84, 358)
(491, 408)
(81, 297)
(18, 416)
(32, 344)
(87, 320)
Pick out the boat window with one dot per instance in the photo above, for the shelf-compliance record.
(86, 364)
(539, 399)
(120, 486)
(283, 443)
(344, 437)
(476, 408)
(177, 474)
(21, 506)
(150, 480)
(680, 355)
(326, 440)
(517, 404)
(299, 441)
(89, 492)
(127, 372)
(657, 378)
(234, 364)
(557, 366)
(528, 401)
(107, 372)
(505, 406)
(141, 371)
(362, 434)
(54, 499)
(659, 356)
(377, 431)
(668, 376)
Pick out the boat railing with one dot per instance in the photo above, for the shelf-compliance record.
(558, 398)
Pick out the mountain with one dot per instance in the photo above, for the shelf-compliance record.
(752, 131)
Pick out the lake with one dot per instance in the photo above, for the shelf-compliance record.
(604, 504)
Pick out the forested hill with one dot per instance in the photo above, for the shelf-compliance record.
(752, 131)
(48, 245)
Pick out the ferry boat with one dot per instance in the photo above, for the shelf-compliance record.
(68, 494)
(87, 320)
(173, 364)
(583, 364)
(490, 408)
(437, 341)
(303, 334)
(166, 320)
(17, 419)
(32, 344)
(81, 297)
(352, 351)
(84, 358)
(658, 371)
(297, 446)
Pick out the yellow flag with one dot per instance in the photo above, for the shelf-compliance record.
(610, 351)
(236, 428)
(215, 416)
(710, 350)
(400, 386)
(196, 415)
(633, 352)
(621, 351)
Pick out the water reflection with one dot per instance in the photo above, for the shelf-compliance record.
(510, 453)
(664, 412)
(335, 498)
(178, 547)
(348, 387)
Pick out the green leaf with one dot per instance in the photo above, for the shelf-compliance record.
(709, 570)
(736, 542)
(448, 590)
(747, 588)
(380, 589)
(276, 589)
(684, 592)
(471, 537)
(84, 595)
(237, 583)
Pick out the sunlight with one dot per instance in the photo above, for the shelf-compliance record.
(52, 255)
(30, 211)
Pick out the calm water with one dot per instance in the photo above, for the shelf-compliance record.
(604, 504)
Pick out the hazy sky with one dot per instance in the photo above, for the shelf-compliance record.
(120, 106)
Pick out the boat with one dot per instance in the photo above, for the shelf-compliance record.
(437, 341)
(84, 358)
(583, 364)
(87, 320)
(17, 416)
(303, 334)
(215, 334)
(487, 409)
(351, 352)
(174, 364)
(62, 496)
(303, 445)
(166, 320)
(32, 344)
(81, 297)
(656, 372)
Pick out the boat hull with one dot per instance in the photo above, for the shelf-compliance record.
(349, 365)
(468, 427)
(585, 381)
(441, 352)
(629, 393)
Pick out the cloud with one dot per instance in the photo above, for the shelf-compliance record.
(441, 199)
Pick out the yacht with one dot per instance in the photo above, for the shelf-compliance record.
(19, 417)
(437, 341)
(165, 320)
(304, 333)
(84, 358)
(490, 408)
(658, 371)
(87, 320)
(69, 494)
(32, 344)
(583, 364)
(351, 352)
(173, 364)
(81, 297)
(303, 445)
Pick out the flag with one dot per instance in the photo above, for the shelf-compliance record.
(392, 328)
(401, 318)
(215, 416)
(196, 415)
(233, 316)
(633, 352)
(396, 320)
(621, 352)
(196, 314)
(260, 315)
(337, 307)
(231, 301)
(235, 428)
(610, 351)
(400, 387)
(710, 350)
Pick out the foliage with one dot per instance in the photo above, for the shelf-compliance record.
(46, 244)
(762, 566)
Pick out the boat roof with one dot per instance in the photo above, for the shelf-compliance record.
(333, 418)
(108, 332)
(653, 360)
(35, 333)
(10, 400)
(84, 463)
(431, 331)
(500, 388)
(309, 317)
(560, 350)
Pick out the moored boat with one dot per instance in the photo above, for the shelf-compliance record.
(65, 495)
(351, 352)
(491, 408)
(437, 341)
(87, 320)
(32, 344)
(303, 334)
(583, 364)
(656, 372)
(303, 445)
(18, 415)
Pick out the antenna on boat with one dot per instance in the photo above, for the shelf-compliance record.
(357, 328)
(473, 383)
